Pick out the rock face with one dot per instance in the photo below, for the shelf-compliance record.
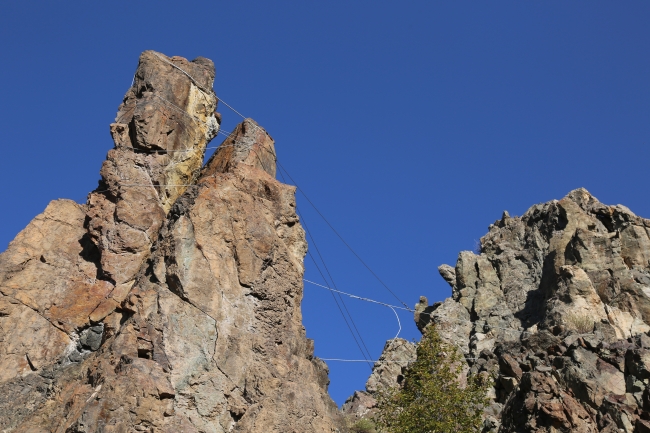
(387, 372)
(160, 135)
(555, 309)
(170, 302)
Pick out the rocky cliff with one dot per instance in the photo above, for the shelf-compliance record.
(555, 308)
(170, 301)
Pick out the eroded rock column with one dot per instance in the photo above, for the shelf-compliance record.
(160, 134)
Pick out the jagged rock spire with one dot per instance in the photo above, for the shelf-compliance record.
(160, 134)
(170, 301)
(247, 144)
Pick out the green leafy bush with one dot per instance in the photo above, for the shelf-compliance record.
(363, 426)
(431, 398)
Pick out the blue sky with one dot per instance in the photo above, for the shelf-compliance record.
(410, 125)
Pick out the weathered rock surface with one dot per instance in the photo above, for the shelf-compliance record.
(160, 135)
(387, 372)
(170, 302)
(556, 309)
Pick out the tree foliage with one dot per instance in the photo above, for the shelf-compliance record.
(431, 398)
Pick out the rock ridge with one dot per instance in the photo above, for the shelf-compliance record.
(555, 309)
(170, 301)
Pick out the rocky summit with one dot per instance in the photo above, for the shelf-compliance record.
(555, 308)
(170, 301)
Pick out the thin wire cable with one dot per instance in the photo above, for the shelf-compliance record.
(361, 298)
(340, 237)
(323, 216)
(315, 208)
(398, 323)
(332, 280)
(198, 85)
(325, 219)
(334, 296)
(340, 310)
(227, 105)
(318, 211)
(363, 360)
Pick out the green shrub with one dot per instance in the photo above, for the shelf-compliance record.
(363, 426)
(431, 399)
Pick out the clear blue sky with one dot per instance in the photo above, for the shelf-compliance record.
(411, 125)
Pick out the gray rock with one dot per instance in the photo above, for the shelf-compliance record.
(637, 362)
(560, 298)
(448, 274)
(387, 372)
(91, 338)
(389, 369)
(359, 405)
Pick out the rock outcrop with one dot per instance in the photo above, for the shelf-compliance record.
(170, 301)
(555, 309)
(386, 372)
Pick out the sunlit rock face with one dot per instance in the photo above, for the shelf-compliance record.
(387, 372)
(170, 302)
(160, 134)
(555, 307)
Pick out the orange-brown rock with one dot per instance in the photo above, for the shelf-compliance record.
(171, 301)
(49, 288)
(160, 135)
